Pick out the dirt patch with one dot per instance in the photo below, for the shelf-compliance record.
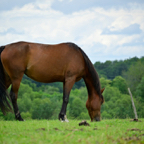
(132, 139)
(81, 129)
(75, 130)
(136, 137)
(56, 129)
(84, 123)
(135, 120)
(134, 129)
(40, 129)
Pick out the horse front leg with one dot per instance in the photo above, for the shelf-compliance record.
(67, 86)
(14, 95)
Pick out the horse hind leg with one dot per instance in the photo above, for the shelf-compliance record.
(67, 86)
(14, 96)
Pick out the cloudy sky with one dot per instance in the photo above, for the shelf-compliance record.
(104, 29)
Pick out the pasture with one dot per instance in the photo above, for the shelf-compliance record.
(113, 131)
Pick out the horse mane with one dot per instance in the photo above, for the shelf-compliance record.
(94, 75)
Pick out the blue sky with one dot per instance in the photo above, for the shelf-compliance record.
(105, 30)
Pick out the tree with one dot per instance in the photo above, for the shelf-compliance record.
(105, 115)
(1, 115)
(42, 109)
(83, 115)
(10, 116)
(26, 115)
(140, 89)
(111, 69)
(123, 107)
(79, 84)
(46, 109)
(24, 103)
(121, 84)
(77, 107)
(31, 84)
(25, 88)
(104, 82)
(50, 90)
(36, 110)
(111, 93)
(134, 75)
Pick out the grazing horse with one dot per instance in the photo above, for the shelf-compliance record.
(65, 62)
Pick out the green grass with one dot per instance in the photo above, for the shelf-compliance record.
(55, 132)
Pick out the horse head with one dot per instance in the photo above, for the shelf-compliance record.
(93, 105)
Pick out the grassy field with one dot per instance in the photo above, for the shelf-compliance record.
(55, 132)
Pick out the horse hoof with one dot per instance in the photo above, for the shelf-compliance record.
(20, 119)
(64, 120)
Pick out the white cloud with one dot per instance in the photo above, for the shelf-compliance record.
(127, 39)
(128, 50)
(44, 4)
(38, 22)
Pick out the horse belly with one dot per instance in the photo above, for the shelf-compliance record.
(45, 73)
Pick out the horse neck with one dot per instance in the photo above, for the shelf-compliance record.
(92, 91)
(91, 77)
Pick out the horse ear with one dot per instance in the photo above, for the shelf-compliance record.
(102, 90)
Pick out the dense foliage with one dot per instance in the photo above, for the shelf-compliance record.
(43, 101)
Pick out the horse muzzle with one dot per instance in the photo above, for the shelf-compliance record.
(96, 119)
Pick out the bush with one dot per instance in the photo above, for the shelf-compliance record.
(105, 115)
(84, 115)
(9, 116)
(26, 115)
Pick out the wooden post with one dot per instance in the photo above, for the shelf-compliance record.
(136, 117)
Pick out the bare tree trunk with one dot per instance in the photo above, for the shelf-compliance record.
(136, 117)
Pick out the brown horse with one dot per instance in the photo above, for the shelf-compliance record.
(64, 62)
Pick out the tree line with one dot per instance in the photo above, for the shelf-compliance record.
(43, 101)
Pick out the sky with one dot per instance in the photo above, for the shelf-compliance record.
(104, 29)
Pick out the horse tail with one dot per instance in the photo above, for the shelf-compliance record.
(4, 97)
